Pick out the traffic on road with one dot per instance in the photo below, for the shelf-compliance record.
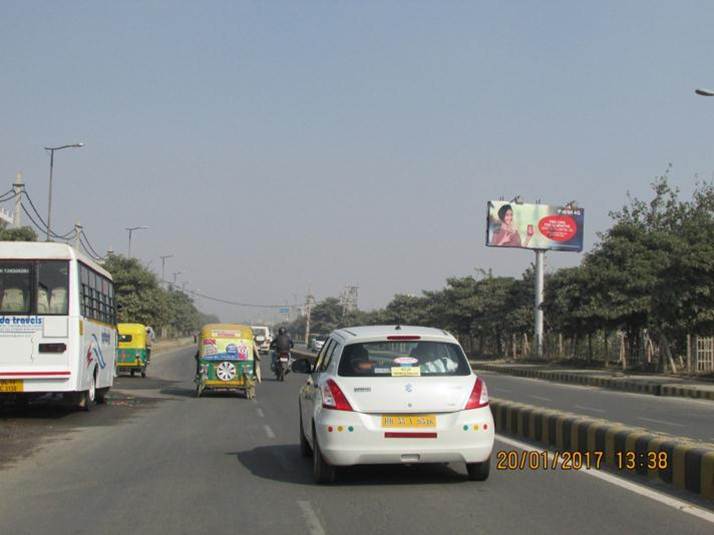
(382, 417)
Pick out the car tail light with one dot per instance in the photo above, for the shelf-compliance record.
(403, 337)
(479, 395)
(333, 398)
(53, 348)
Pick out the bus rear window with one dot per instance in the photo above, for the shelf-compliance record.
(52, 287)
(15, 287)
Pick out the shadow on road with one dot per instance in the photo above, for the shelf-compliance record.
(26, 427)
(284, 463)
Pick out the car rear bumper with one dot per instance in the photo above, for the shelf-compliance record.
(350, 438)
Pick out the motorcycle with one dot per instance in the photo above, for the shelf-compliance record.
(281, 366)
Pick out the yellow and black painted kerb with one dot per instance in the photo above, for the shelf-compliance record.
(689, 465)
(613, 383)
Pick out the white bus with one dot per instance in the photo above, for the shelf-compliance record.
(57, 323)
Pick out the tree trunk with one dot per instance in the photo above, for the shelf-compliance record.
(590, 348)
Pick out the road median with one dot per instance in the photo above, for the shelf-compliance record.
(684, 464)
(656, 386)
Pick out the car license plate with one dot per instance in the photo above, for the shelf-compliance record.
(12, 385)
(283, 359)
(408, 420)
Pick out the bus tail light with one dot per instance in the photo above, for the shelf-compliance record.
(53, 348)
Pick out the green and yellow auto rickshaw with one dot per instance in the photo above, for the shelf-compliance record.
(225, 359)
(132, 351)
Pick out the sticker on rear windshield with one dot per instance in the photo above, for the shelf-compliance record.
(406, 371)
(406, 361)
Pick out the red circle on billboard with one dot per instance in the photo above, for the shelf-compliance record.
(558, 227)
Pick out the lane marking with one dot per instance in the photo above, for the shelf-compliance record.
(664, 422)
(269, 431)
(539, 397)
(308, 513)
(585, 408)
(647, 492)
(260, 412)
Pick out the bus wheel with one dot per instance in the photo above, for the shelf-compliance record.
(143, 371)
(132, 372)
(89, 396)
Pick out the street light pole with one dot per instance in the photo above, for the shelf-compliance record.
(131, 231)
(52, 165)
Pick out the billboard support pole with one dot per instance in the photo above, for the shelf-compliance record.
(539, 291)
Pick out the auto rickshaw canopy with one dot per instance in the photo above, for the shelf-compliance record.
(232, 341)
(132, 335)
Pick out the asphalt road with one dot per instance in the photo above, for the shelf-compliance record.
(684, 417)
(157, 460)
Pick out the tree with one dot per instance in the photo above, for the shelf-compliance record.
(18, 234)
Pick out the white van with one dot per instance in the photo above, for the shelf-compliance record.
(57, 323)
(263, 338)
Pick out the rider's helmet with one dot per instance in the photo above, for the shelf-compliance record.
(281, 331)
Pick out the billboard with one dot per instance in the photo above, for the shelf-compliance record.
(534, 226)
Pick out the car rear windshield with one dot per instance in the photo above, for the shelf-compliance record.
(403, 359)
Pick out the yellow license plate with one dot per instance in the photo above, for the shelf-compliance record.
(12, 385)
(408, 420)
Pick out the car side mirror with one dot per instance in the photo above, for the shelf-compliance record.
(301, 366)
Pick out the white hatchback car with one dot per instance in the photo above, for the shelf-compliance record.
(393, 394)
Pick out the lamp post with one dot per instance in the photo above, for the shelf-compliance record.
(52, 164)
(131, 231)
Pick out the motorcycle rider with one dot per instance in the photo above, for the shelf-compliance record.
(282, 343)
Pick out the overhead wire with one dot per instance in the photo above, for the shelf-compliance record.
(234, 303)
(88, 245)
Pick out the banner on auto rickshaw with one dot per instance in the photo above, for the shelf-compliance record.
(534, 226)
(216, 348)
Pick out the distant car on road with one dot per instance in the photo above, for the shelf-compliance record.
(391, 395)
(262, 337)
(317, 342)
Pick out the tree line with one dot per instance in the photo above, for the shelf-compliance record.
(647, 282)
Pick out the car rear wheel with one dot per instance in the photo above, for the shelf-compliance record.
(322, 471)
(479, 471)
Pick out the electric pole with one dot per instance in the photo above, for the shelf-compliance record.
(309, 300)
(163, 266)
(77, 233)
(19, 187)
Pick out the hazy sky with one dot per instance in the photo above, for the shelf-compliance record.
(276, 145)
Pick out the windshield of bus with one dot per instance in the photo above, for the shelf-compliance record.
(34, 287)
(403, 359)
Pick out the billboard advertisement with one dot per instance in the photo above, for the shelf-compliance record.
(534, 226)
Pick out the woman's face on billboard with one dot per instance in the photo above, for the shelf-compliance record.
(508, 217)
